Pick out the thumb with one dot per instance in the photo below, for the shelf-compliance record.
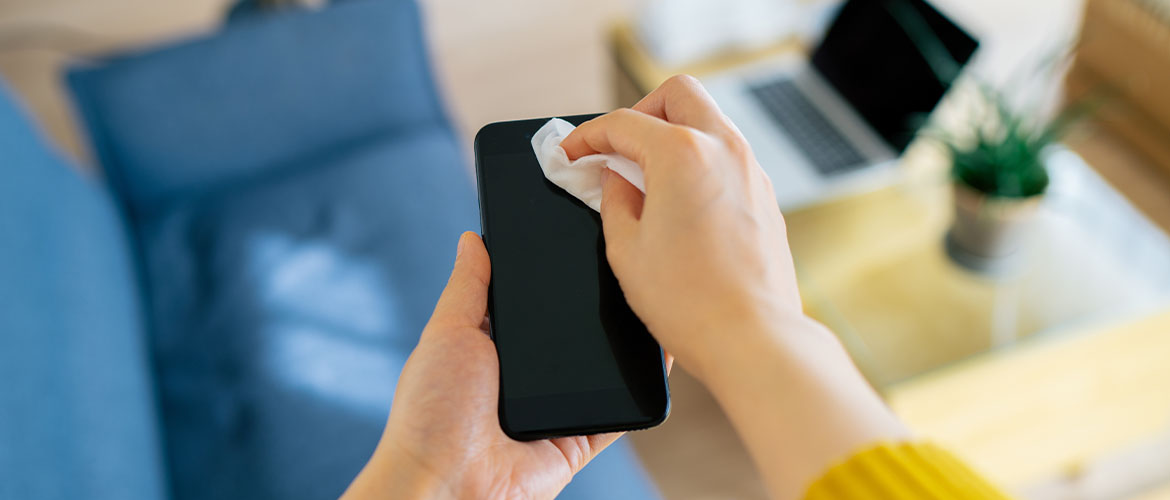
(464, 301)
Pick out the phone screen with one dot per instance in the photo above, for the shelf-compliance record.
(574, 358)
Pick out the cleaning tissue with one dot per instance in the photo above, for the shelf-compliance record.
(580, 177)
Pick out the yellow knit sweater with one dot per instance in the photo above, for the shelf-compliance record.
(908, 471)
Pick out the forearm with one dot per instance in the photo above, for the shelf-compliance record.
(798, 402)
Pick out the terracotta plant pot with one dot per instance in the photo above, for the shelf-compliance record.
(988, 231)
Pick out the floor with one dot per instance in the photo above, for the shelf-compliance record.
(499, 60)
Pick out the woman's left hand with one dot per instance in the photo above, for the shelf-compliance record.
(443, 437)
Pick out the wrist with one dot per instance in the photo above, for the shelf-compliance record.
(394, 473)
(791, 391)
(768, 337)
(413, 480)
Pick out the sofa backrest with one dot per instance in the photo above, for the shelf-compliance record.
(77, 412)
(166, 121)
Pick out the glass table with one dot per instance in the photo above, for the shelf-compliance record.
(874, 269)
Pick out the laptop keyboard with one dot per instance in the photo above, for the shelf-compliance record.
(828, 150)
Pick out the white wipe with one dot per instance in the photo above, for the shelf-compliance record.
(581, 177)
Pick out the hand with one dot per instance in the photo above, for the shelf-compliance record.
(703, 260)
(443, 437)
(708, 237)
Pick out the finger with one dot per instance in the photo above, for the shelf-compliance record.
(598, 442)
(621, 207)
(579, 450)
(681, 99)
(464, 301)
(625, 131)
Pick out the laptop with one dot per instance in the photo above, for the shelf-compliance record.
(835, 123)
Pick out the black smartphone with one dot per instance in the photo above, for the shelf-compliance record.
(574, 359)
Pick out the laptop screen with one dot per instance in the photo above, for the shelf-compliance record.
(892, 60)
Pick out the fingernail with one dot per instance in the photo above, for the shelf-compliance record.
(604, 175)
(459, 249)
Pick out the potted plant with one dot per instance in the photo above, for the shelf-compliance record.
(1000, 174)
(999, 169)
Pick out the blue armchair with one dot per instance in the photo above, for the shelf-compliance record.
(229, 318)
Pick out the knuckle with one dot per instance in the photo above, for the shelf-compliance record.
(682, 81)
(767, 182)
(685, 87)
(688, 140)
(622, 112)
(738, 146)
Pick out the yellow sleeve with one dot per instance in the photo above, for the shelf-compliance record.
(907, 471)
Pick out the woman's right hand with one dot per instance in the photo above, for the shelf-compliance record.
(704, 254)
(703, 260)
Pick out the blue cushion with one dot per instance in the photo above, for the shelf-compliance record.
(616, 474)
(260, 94)
(77, 414)
(284, 309)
